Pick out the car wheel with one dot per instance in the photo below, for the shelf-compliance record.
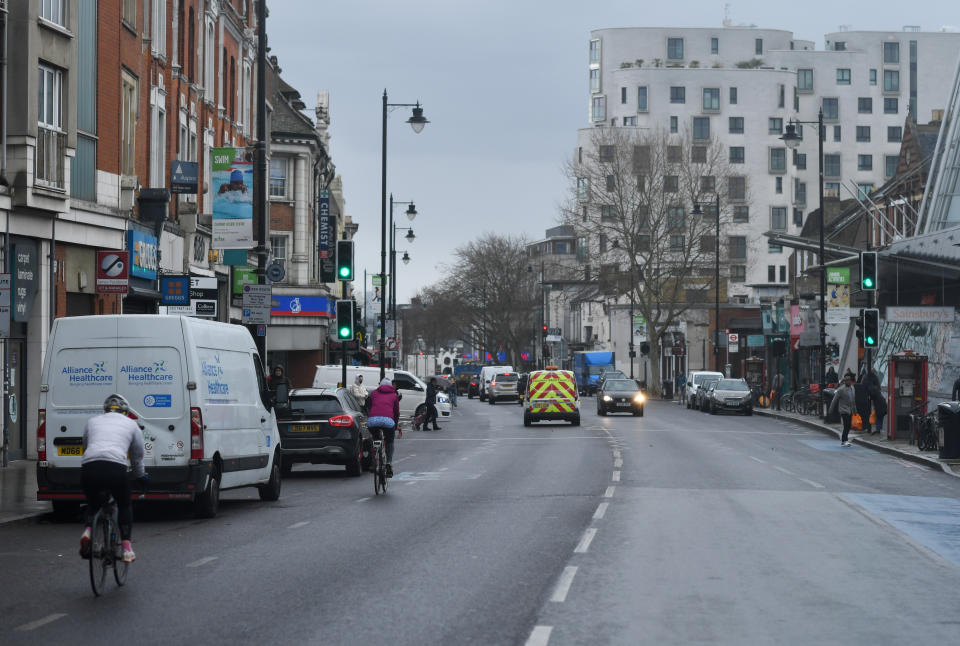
(355, 465)
(576, 421)
(749, 411)
(271, 490)
(208, 502)
(713, 411)
(641, 411)
(601, 411)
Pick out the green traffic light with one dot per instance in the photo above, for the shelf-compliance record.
(870, 340)
(344, 332)
(345, 272)
(868, 282)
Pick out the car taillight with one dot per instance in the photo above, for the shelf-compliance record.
(42, 435)
(341, 420)
(196, 434)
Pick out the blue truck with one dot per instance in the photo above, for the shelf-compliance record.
(587, 367)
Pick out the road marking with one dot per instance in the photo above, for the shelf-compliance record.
(540, 636)
(584, 543)
(609, 492)
(601, 510)
(815, 485)
(618, 463)
(364, 499)
(33, 625)
(616, 453)
(563, 584)
(406, 457)
(412, 482)
(756, 459)
(464, 459)
(444, 468)
(298, 525)
(782, 470)
(203, 561)
(616, 476)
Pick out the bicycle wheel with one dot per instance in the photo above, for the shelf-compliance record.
(377, 465)
(119, 565)
(786, 402)
(100, 554)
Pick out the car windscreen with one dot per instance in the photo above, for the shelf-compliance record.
(596, 370)
(502, 378)
(621, 385)
(322, 405)
(733, 384)
(707, 385)
(699, 379)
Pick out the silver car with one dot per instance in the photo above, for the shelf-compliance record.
(731, 395)
(503, 387)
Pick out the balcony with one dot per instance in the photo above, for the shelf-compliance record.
(51, 146)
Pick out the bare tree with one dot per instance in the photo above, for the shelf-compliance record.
(633, 193)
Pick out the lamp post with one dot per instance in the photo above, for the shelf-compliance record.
(410, 237)
(792, 140)
(417, 121)
(543, 314)
(716, 284)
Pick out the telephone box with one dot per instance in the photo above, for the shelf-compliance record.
(754, 371)
(907, 391)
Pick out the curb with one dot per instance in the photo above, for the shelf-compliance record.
(889, 450)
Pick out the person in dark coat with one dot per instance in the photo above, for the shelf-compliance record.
(862, 392)
(879, 406)
(955, 395)
(831, 376)
(431, 404)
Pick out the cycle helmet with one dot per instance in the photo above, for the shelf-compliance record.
(117, 404)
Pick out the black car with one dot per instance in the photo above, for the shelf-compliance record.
(620, 396)
(730, 395)
(473, 390)
(322, 426)
(703, 394)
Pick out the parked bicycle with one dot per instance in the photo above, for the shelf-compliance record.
(925, 430)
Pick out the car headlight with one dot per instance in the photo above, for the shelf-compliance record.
(638, 398)
(607, 398)
(441, 399)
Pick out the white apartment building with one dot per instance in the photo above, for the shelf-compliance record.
(743, 85)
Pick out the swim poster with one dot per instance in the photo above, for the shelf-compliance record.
(232, 178)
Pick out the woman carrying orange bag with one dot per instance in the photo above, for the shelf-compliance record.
(845, 401)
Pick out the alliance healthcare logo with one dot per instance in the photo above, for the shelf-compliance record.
(92, 375)
(213, 372)
(147, 375)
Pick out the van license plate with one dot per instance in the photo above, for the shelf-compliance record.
(305, 428)
(70, 450)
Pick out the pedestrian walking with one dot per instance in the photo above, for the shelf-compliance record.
(831, 376)
(431, 405)
(681, 388)
(452, 391)
(776, 390)
(955, 394)
(276, 379)
(861, 392)
(358, 390)
(845, 401)
(879, 406)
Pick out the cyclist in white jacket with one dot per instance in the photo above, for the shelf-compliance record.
(107, 441)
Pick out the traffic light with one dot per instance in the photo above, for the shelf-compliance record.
(871, 328)
(546, 351)
(345, 320)
(344, 259)
(544, 328)
(860, 327)
(868, 271)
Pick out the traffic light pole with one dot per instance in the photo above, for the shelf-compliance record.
(868, 350)
(343, 342)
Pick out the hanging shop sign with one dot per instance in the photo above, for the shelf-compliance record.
(231, 176)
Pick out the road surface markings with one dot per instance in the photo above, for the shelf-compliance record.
(609, 492)
(616, 476)
(364, 499)
(782, 470)
(540, 636)
(756, 459)
(298, 525)
(616, 454)
(563, 584)
(601, 510)
(815, 485)
(443, 468)
(406, 457)
(618, 463)
(584, 543)
(464, 459)
(203, 561)
(412, 482)
(33, 625)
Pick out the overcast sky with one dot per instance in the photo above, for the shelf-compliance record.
(504, 85)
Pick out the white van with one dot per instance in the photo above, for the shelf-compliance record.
(486, 374)
(197, 388)
(414, 391)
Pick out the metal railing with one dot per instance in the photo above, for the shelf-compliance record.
(51, 145)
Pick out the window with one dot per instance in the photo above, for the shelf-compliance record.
(863, 133)
(714, 45)
(708, 184)
(278, 250)
(737, 188)
(611, 183)
(891, 105)
(51, 140)
(158, 144)
(594, 51)
(891, 53)
(130, 12)
(677, 242)
(778, 218)
(698, 154)
(800, 160)
(607, 212)
(607, 153)
(630, 121)
(805, 80)
(831, 109)
(839, 46)
(158, 27)
(594, 80)
(599, 108)
(836, 133)
(641, 160)
(774, 248)
(583, 189)
(623, 96)
(865, 105)
(675, 49)
(864, 162)
(642, 99)
(708, 244)
(602, 242)
(737, 248)
(736, 125)
(675, 218)
(831, 189)
(758, 46)
(678, 94)
(831, 165)
(54, 11)
(701, 128)
(778, 185)
(711, 99)
(799, 191)
(778, 160)
(191, 45)
(891, 80)
(783, 273)
(863, 190)
(278, 177)
(798, 217)
(733, 96)
(50, 104)
(890, 163)
(673, 125)
(181, 33)
(208, 53)
(671, 183)
(775, 125)
(781, 95)
(737, 155)
(674, 154)
(741, 213)
(843, 76)
(873, 77)
(894, 133)
(771, 273)
(738, 273)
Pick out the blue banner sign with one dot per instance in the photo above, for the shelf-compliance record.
(143, 254)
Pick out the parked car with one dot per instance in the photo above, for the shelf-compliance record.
(703, 394)
(731, 395)
(322, 426)
(693, 383)
(610, 374)
(551, 394)
(473, 389)
(412, 390)
(502, 387)
(620, 396)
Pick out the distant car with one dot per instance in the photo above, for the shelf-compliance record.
(620, 396)
(703, 393)
(473, 389)
(610, 374)
(502, 387)
(322, 426)
(693, 383)
(731, 395)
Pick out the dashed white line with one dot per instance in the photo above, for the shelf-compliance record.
(298, 525)
(203, 561)
(563, 584)
(584, 543)
(33, 625)
(618, 463)
(616, 476)
(412, 482)
(364, 499)
(616, 453)
(756, 459)
(601, 510)
(782, 470)
(406, 457)
(540, 636)
(609, 492)
(815, 485)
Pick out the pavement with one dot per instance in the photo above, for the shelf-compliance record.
(18, 492)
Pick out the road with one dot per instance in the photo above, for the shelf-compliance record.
(674, 528)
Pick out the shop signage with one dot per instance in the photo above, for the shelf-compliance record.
(755, 341)
(143, 254)
(920, 315)
(838, 275)
(301, 306)
(175, 290)
(5, 284)
(256, 304)
(203, 298)
(242, 275)
(113, 272)
(231, 176)
(25, 278)
(323, 221)
(184, 176)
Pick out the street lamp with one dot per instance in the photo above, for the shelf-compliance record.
(792, 139)
(406, 258)
(716, 285)
(392, 292)
(417, 121)
(543, 313)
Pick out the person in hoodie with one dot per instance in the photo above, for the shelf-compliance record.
(384, 417)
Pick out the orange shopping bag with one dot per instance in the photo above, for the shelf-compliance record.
(856, 422)
(873, 418)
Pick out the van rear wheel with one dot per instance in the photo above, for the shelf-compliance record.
(271, 491)
(207, 503)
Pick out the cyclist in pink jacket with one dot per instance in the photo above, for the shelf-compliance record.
(384, 417)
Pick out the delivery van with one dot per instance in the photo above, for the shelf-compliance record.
(412, 389)
(551, 394)
(486, 375)
(196, 387)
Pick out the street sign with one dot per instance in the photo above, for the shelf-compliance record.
(256, 304)
(113, 272)
(204, 294)
(183, 177)
(175, 290)
(5, 284)
(275, 272)
(733, 342)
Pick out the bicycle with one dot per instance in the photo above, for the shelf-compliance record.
(379, 462)
(106, 548)
(926, 432)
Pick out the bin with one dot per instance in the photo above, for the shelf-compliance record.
(667, 389)
(834, 417)
(948, 414)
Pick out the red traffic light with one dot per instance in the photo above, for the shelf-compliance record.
(544, 328)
